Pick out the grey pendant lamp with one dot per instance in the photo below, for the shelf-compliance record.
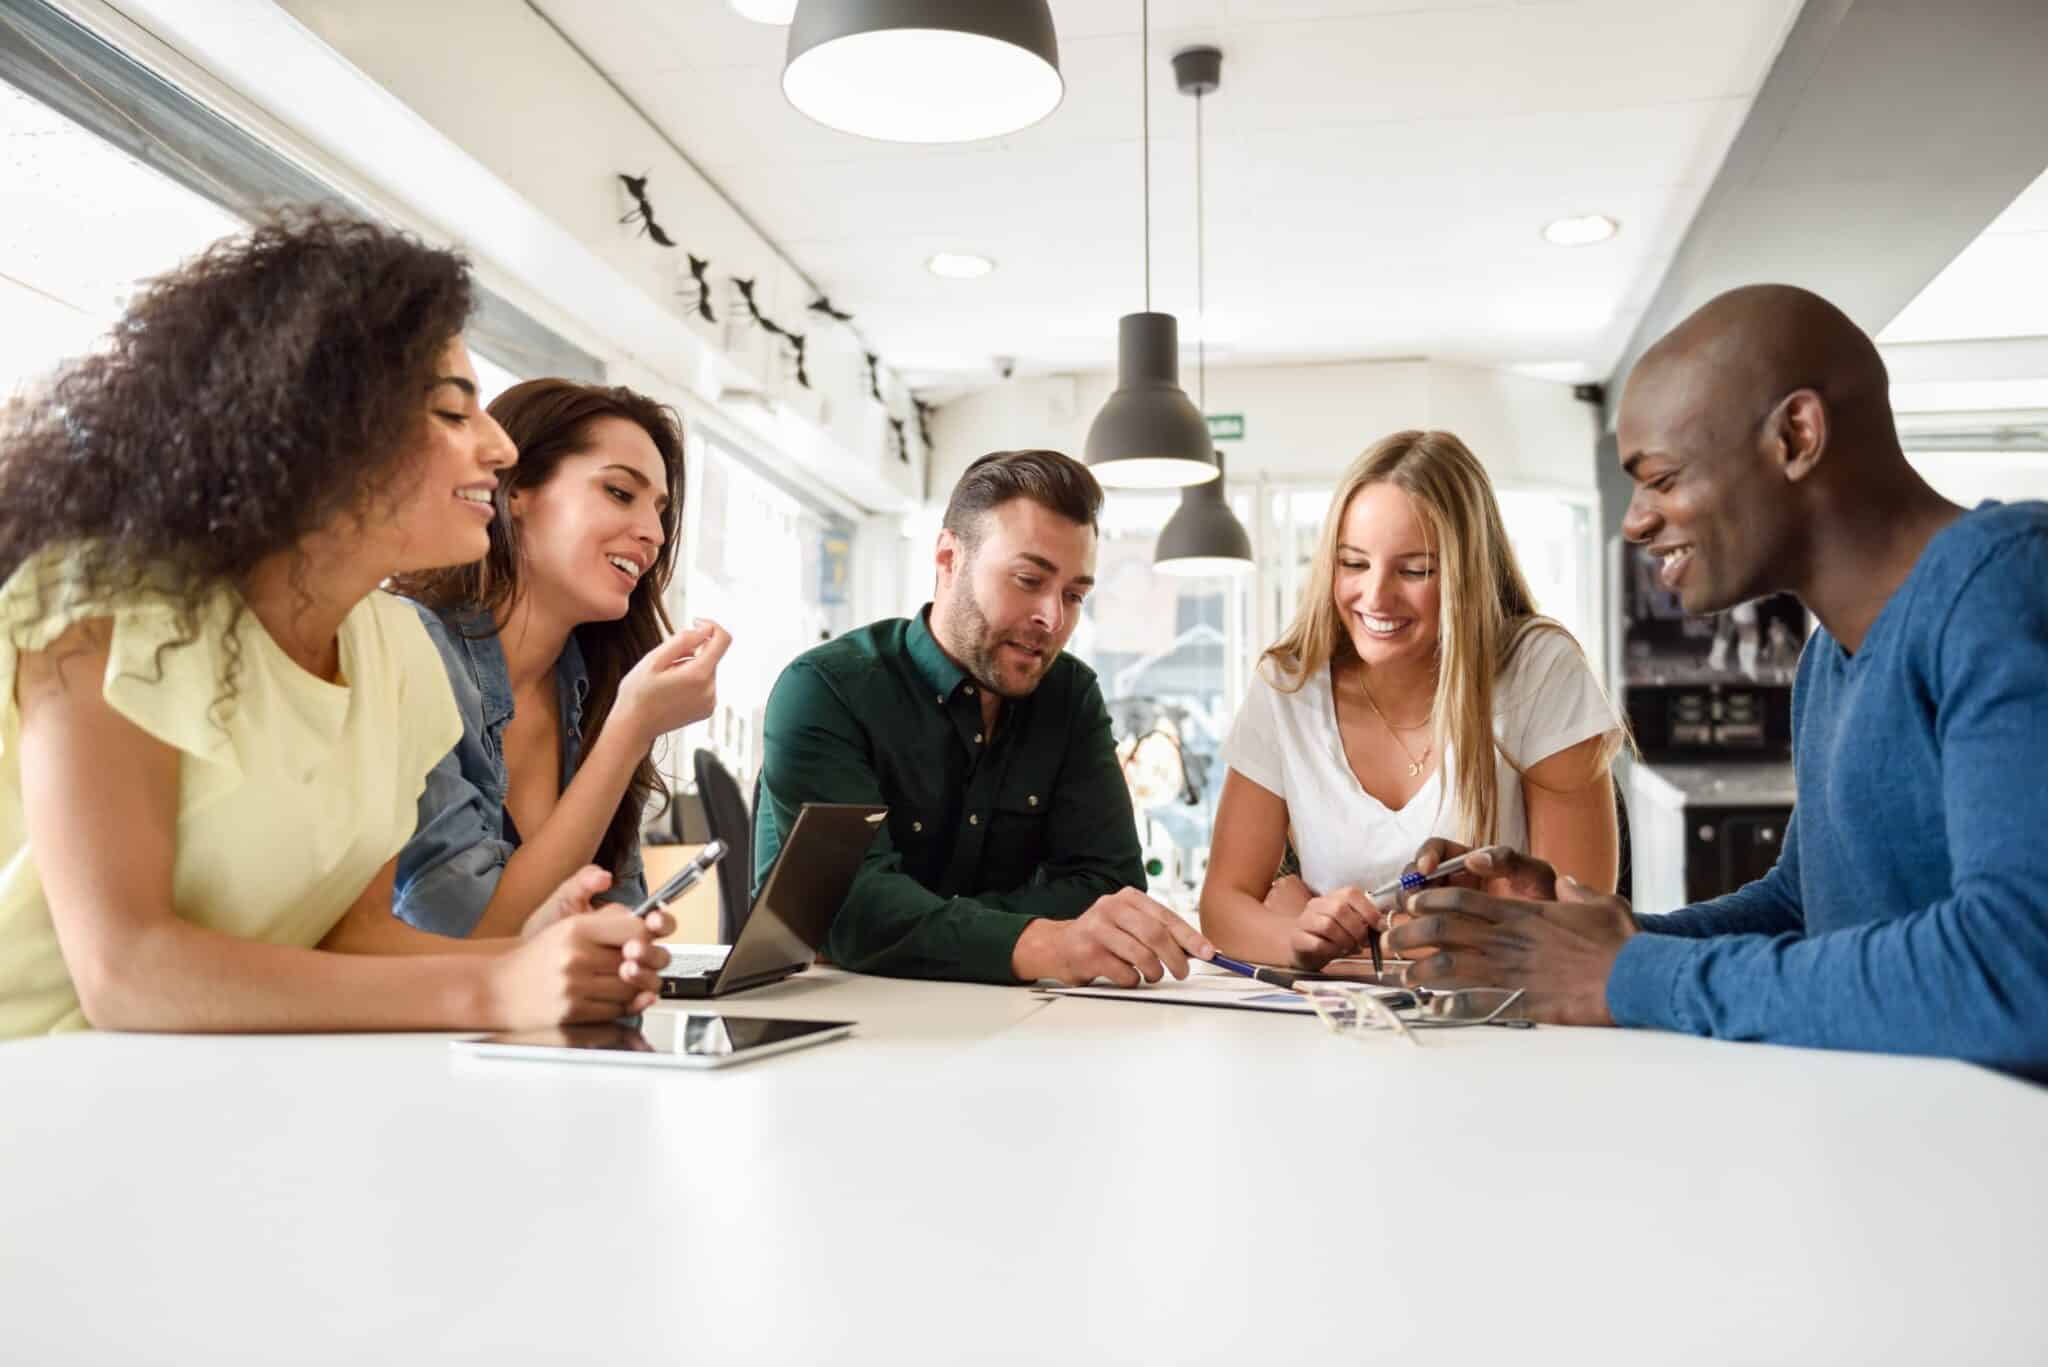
(1148, 436)
(1203, 537)
(923, 70)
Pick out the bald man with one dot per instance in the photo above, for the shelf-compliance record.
(1908, 911)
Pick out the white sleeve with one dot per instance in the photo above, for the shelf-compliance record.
(1253, 746)
(1549, 700)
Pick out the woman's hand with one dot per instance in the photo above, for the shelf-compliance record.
(585, 965)
(1336, 925)
(676, 683)
(578, 895)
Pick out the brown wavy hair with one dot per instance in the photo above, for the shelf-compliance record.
(550, 420)
(256, 394)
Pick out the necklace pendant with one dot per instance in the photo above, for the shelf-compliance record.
(1415, 768)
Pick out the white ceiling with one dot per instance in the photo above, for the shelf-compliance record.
(1378, 173)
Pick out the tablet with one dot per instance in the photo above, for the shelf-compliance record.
(662, 1039)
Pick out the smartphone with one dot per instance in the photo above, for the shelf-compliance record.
(683, 879)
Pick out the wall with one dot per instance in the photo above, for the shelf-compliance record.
(1304, 421)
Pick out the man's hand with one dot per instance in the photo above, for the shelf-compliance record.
(1494, 870)
(1336, 925)
(1125, 937)
(1559, 953)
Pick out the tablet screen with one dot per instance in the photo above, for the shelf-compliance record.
(688, 1035)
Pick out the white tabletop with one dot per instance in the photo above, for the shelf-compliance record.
(983, 1174)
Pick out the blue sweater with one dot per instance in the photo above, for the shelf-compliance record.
(1908, 911)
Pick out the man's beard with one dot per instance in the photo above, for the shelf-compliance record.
(977, 651)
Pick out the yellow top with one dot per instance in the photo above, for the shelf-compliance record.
(292, 795)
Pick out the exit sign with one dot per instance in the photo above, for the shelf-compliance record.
(1226, 427)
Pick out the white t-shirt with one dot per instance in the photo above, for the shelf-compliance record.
(1287, 743)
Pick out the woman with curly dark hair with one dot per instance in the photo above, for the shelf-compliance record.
(214, 727)
(564, 667)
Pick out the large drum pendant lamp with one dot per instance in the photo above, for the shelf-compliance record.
(1203, 537)
(1148, 435)
(923, 70)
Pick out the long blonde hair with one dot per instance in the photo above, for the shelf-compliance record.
(1485, 611)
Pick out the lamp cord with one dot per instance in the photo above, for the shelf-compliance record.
(1201, 278)
(1145, 99)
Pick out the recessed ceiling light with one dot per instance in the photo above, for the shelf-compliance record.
(959, 265)
(765, 11)
(1580, 232)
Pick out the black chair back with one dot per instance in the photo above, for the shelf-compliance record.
(1624, 871)
(725, 816)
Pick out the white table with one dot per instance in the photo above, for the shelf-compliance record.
(986, 1175)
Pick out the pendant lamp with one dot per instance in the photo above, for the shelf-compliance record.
(1148, 436)
(923, 70)
(1203, 537)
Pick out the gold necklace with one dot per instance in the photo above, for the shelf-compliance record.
(1415, 762)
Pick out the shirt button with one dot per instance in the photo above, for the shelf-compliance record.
(917, 826)
(1032, 800)
(940, 699)
(977, 737)
(973, 820)
(970, 690)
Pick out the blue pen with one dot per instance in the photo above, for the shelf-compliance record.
(1408, 882)
(1278, 977)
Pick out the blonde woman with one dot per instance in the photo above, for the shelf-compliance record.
(1417, 694)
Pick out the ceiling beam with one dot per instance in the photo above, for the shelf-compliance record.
(1887, 136)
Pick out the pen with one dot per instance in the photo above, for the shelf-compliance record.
(1408, 882)
(1278, 977)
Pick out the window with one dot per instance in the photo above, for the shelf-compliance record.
(1169, 655)
(772, 567)
(84, 224)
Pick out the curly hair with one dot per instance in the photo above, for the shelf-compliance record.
(258, 393)
(549, 420)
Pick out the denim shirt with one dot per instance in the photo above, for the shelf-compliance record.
(464, 836)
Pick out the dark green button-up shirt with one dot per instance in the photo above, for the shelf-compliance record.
(984, 833)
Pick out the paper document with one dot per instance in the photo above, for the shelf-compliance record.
(1202, 987)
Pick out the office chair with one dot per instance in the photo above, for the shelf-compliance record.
(1624, 873)
(727, 819)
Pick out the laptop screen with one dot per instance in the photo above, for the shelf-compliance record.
(804, 891)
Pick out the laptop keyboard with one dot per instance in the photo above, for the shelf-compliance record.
(698, 964)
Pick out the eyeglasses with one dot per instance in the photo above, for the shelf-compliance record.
(1361, 1011)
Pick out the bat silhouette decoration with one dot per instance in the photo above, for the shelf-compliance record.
(823, 305)
(699, 291)
(874, 376)
(746, 289)
(642, 211)
(902, 445)
(769, 325)
(924, 420)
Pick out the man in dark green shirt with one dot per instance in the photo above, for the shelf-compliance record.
(1010, 854)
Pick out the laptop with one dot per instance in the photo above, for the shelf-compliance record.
(790, 918)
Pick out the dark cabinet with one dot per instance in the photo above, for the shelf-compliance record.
(1726, 848)
(1701, 830)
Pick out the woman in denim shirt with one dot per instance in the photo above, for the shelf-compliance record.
(563, 664)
